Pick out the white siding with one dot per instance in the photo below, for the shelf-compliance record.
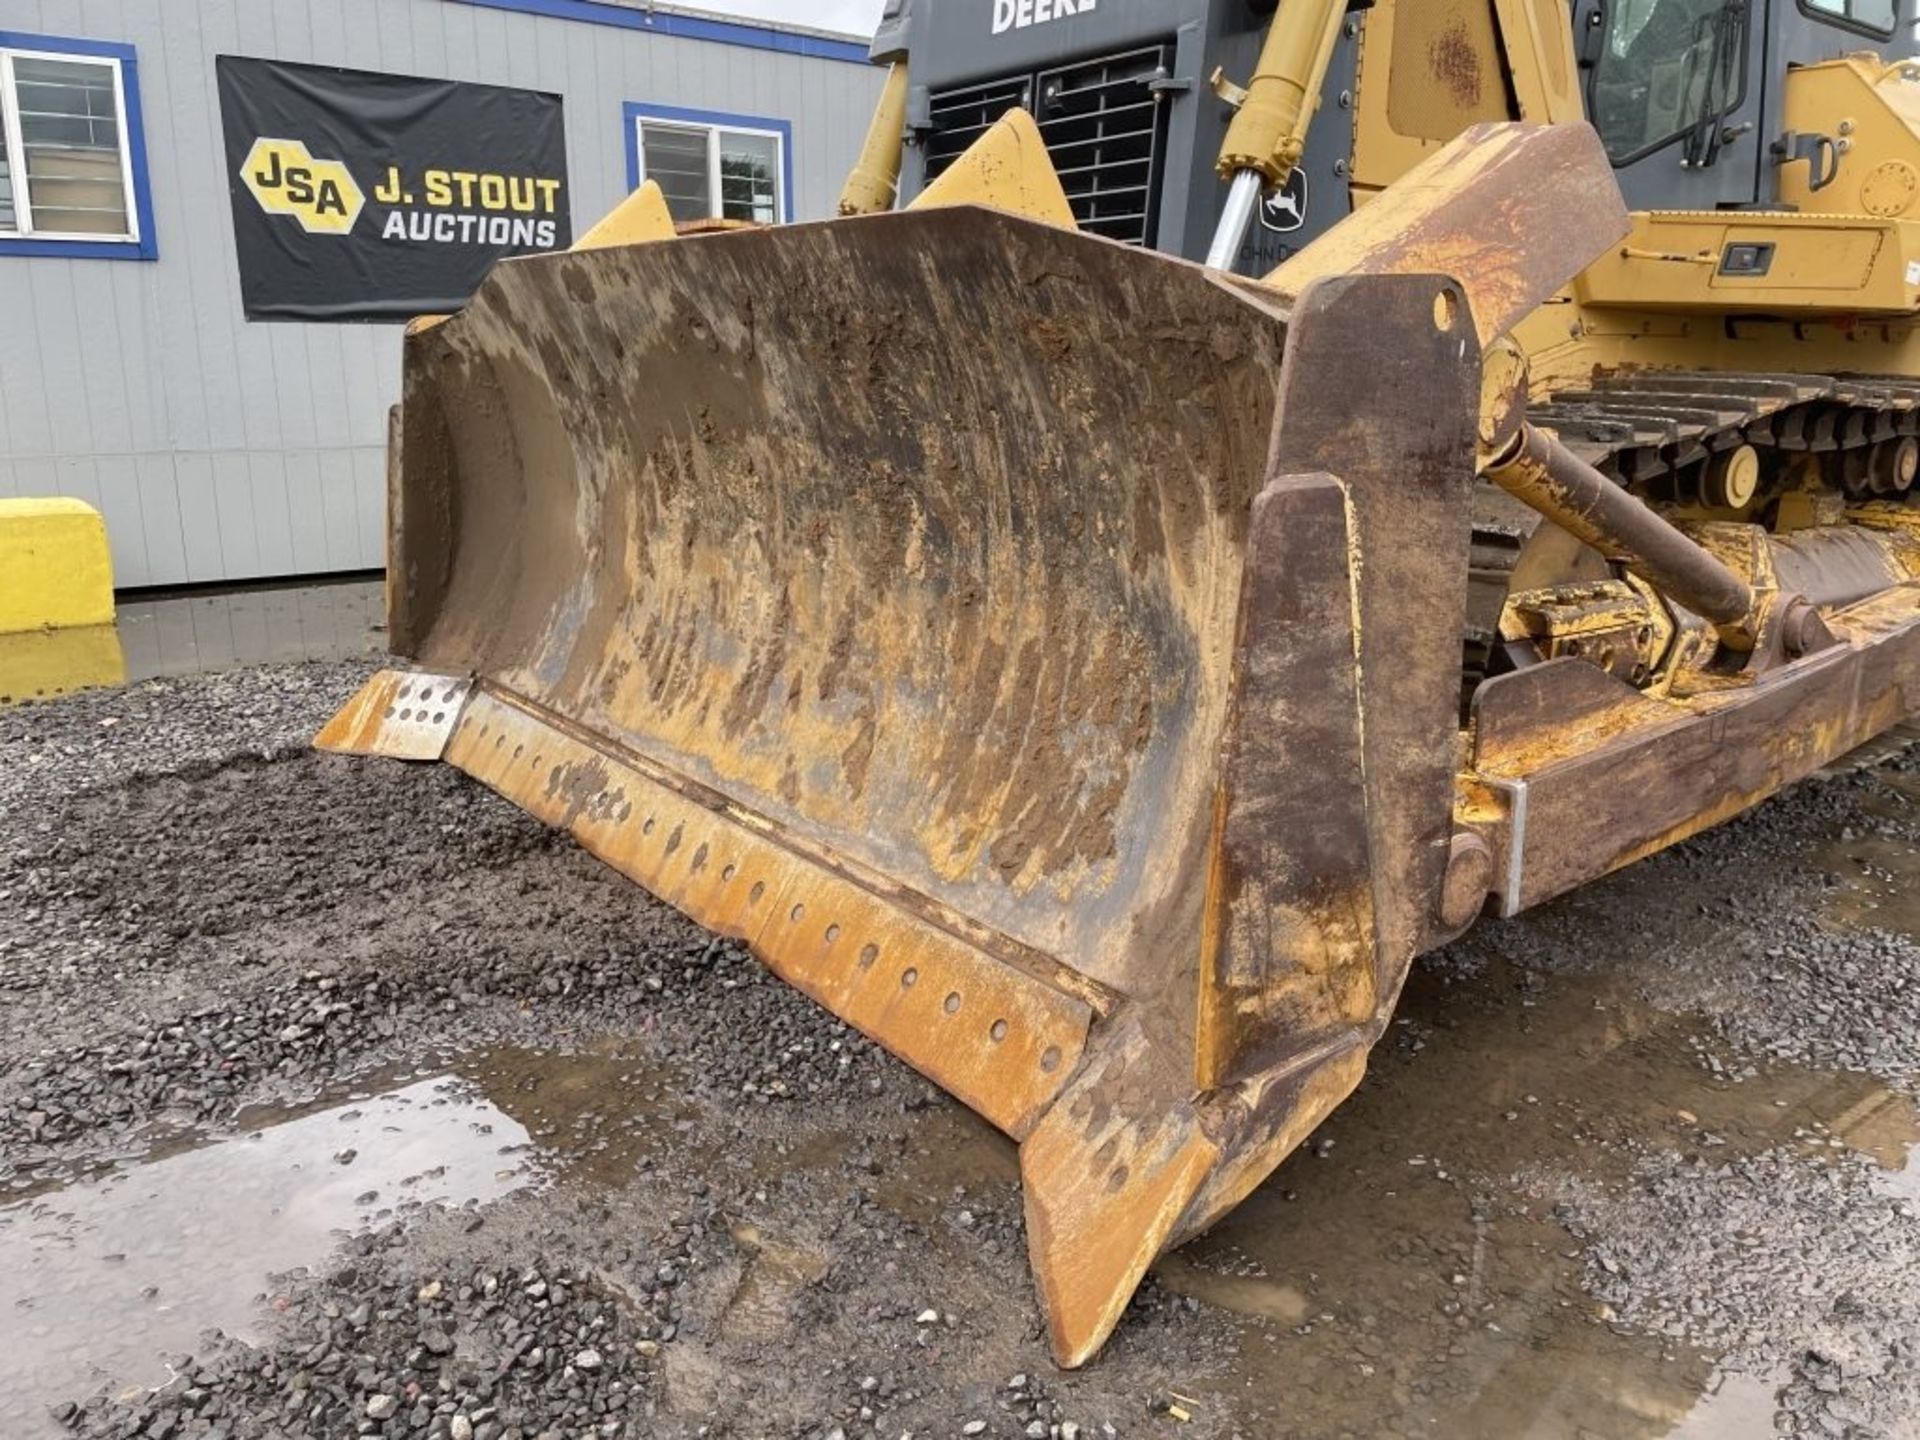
(222, 450)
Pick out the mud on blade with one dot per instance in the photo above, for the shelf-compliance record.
(964, 612)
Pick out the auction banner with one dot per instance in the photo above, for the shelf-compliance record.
(360, 196)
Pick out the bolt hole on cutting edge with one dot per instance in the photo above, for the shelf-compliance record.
(1446, 310)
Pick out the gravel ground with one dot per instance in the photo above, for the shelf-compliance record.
(1774, 1260)
(791, 1234)
(1800, 1262)
(1752, 947)
(182, 936)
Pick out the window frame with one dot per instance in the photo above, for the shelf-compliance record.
(1848, 22)
(139, 243)
(1655, 147)
(634, 114)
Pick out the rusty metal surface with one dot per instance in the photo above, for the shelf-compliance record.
(854, 644)
(1293, 935)
(1836, 565)
(1409, 466)
(1447, 70)
(933, 565)
(1545, 474)
(1001, 1040)
(1611, 776)
(401, 714)
(915, 590)
(1312, 863)
(1512, 212)
(1333, 825)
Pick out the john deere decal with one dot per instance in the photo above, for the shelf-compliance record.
(360, 196)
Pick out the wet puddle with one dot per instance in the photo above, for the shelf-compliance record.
(1741, 1408)
(595, 1113)
(101, 1282)
(776, 1273)
(1400, 1276)
(193, 633)
(1878, 873)
(1403, 1275)
(1877, 884)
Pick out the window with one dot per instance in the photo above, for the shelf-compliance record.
(712, 167)
(1666, 65)
(1873, 17)
(72, 171)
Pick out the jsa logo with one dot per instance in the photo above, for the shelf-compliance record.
(1019, 14)
(286, 180)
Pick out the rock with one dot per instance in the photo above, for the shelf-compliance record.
(379, 1407)
(588, 1360)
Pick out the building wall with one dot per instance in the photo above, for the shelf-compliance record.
(223, 450)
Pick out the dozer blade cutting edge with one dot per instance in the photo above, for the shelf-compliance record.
(1043, 653)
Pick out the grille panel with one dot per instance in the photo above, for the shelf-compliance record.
(1104, 126)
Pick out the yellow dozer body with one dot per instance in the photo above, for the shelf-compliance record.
(1046, 653)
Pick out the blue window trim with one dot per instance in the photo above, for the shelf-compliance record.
(146, 247)
(688, 27)
(634, 111)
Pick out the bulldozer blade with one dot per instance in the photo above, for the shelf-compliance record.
(1041, 652)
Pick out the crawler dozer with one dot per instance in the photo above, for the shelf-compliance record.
(1093, 612)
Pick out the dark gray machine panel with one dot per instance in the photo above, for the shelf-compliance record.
(1676, 89)
(1120, 89)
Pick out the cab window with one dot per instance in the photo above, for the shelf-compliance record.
(1871, 17)
(1665, 65)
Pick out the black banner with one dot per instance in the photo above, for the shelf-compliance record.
(360, 196)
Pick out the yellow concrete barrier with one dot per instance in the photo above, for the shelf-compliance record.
(56, 600)
(55, 569)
